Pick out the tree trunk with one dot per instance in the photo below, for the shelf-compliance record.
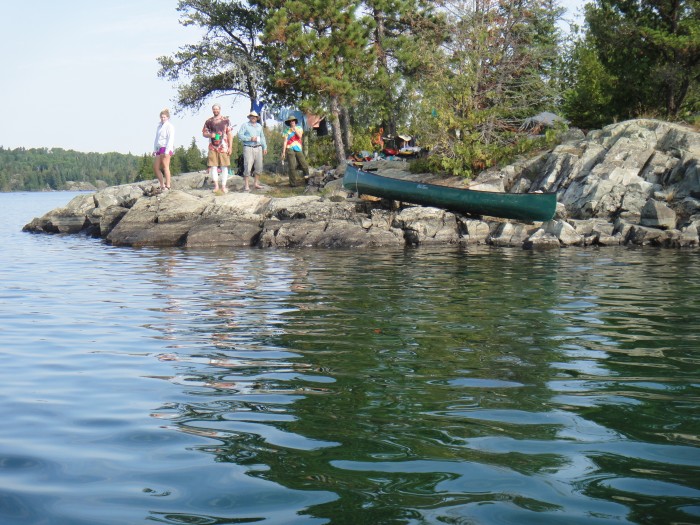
(346, 127)
(337, 135)
(383, 64)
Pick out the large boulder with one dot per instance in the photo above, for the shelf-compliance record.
(424, 225)
(72, 218)
(473, 231)
(163, 220)
(658, 215)
(511, 234)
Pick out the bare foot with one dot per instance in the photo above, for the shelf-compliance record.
(257, 187)
(224, 189)
(246, 189)
(216, 188)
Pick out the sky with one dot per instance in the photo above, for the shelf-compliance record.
(84, 76)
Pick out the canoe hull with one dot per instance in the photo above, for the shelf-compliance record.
(520, 206)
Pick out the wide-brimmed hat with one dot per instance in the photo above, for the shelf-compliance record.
(290, 118)
(254, 114)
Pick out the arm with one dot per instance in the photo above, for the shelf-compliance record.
(170, 145)
(155, 142)
(285, 138)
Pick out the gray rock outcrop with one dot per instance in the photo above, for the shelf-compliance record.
(636, 182)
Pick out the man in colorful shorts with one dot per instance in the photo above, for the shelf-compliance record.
(219, 132)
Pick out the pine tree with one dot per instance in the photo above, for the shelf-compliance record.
(586, 87)
(316, 48)
(404, 35)
(652, 49)
(195, 159)
(178, 162)
(496, 69)
(228, 59)
(145, 171)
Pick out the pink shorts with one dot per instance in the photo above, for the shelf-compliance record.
(161, 151)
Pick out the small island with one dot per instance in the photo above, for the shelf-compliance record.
(632, 183)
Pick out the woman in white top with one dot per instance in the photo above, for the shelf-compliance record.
(163, 149)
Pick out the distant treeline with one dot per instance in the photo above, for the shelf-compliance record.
(42, 169)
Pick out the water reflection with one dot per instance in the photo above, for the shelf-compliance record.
(419, 386)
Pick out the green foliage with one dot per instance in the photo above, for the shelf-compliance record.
(275, 141)
(587, 90)
(460, 76)
(471, 156)
(145, 171)
(363, 141)
(404, 35)
(51, 169)
(321, 151)
(317, 50)
(228, 59)
(188, 160)
(312, 46)
(40, 169)
(637, 59)
(497, 68)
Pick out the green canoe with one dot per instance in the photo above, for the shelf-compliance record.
(521, 206)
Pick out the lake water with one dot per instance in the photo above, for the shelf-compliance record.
(426, 386)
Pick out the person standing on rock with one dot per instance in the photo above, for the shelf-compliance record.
(219, 132)
(252, 136)
(163, 149)
(294, 151)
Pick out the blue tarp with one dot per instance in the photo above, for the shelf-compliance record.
(286, 113)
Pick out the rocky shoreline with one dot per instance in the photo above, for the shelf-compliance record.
(632, 183)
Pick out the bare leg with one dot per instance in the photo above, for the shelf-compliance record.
(166, 169)
(156, 171)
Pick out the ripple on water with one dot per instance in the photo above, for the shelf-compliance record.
(314, 386)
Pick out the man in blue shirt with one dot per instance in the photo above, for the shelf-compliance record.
(252, 136)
